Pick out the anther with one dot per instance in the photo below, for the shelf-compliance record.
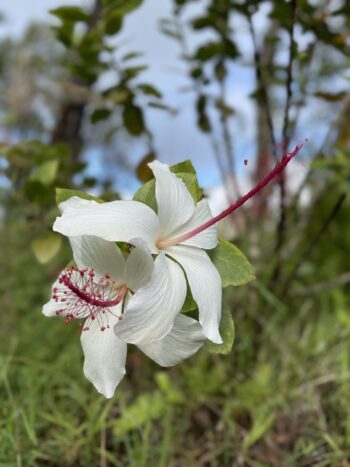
(84, 296)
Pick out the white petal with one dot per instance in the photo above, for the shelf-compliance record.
(150, 313)
(75, 202)
(208, 238)
(105, 355)
(185, 338)
(205, 284)
(114, 221)
(62, 309)
(175, 203)
(138, 267)
(102, 256)
(52, 306)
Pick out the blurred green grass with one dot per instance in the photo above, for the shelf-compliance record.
(280, 398)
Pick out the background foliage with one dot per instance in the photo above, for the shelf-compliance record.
(281, 397)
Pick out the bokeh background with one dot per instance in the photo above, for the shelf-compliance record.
(92, 91)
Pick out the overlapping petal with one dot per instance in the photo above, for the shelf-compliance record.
(113, 221)
(185, 338)
(151, 312)
(102, 256)
(104, 357)
(206, 239)
(205, 283)
(175, 203)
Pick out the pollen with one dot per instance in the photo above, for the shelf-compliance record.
(84, 294)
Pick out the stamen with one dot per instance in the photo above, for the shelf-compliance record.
(84, 296)
(161, 244)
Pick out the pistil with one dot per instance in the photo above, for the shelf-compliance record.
(161, 244)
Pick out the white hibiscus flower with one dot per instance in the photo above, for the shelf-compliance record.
(164, 233)
(139, 297)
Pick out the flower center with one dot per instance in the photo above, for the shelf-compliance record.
(82, 295)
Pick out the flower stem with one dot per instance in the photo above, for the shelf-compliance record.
(278, 169)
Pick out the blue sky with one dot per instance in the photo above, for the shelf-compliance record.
(176, 138)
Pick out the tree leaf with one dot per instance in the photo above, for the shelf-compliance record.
(64, 32)
(114, 22)
(234, 268)
(143, 172)
(160, 106)
(122, 6)
(70, 13)
(227, 332)
(100, 114)
(149, 90)
(46, 246)
(45, 173)
(62, 194)
(131, 55)
(131, 72)
(329, 96)
(209, 51)
(202, 116)
(133, 119)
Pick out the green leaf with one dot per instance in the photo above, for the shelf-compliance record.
(189, 304)
(143, 172)
(234, 268)
(190, 180)
(149, 90)
(210, 50)
(114, 22)
(46, 246)
(45, 173)
(131, 72)
(330, 96)
(62, 194)
(216, 49)
(183, 167)
(100, 114)
(133, 119)
(227, 332)
(122, 6)
(131, 56)
(70, 13)
(159, 106)
(146, 194)
(65, 32)
(202, 117)
(185, 171)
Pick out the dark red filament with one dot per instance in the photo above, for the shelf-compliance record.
(82, 295)
(87, 297)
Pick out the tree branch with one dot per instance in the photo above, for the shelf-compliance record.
(281, 228)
